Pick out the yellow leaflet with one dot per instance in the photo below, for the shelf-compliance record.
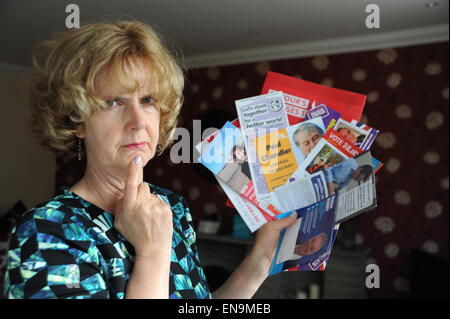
(276, 157)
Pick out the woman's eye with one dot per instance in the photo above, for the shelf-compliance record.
(147, 100)
(112, 103)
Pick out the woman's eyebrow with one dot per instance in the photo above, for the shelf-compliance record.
(125, 97)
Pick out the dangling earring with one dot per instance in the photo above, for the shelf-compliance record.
(79, 149)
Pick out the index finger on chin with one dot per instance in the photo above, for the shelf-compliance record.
(133, 179)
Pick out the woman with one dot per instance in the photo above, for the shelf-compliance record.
(114, 88)
(240, 156)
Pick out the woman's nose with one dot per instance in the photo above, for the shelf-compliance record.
(136, 118)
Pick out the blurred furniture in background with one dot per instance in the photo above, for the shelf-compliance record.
(345, 276)
(429, 276)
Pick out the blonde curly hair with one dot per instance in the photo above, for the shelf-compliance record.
(67, 65)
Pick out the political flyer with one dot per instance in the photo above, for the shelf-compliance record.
(275, 157)
(223, 153)
(301, 192)
(262, 111)
(332, 149)
(280, 153)
(354, 182)
(307, 243)
(352, 133)
(327, 114)
(253, 216)
(259, 115)
(371, 136)
(300, 96)
(225, 156)
(297, 148)
(376, 165)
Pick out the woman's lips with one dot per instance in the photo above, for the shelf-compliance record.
(135, 146)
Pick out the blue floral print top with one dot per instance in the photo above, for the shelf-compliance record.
(67, 247)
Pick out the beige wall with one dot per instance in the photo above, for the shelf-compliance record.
(27, 172)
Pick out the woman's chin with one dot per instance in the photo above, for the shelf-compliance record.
(145, 153)
(131, 154)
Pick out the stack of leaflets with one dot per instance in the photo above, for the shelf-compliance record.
(298, 148)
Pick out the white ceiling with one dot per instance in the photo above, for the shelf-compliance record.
(218, 32)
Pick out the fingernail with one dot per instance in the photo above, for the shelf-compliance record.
(137, 160)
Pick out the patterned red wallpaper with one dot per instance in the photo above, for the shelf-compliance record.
(407, 99)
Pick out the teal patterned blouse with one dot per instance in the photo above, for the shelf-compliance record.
(67, 247)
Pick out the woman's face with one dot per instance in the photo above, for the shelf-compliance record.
(240, 155)
(130, 118)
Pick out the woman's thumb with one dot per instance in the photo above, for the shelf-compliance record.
(286, 221)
